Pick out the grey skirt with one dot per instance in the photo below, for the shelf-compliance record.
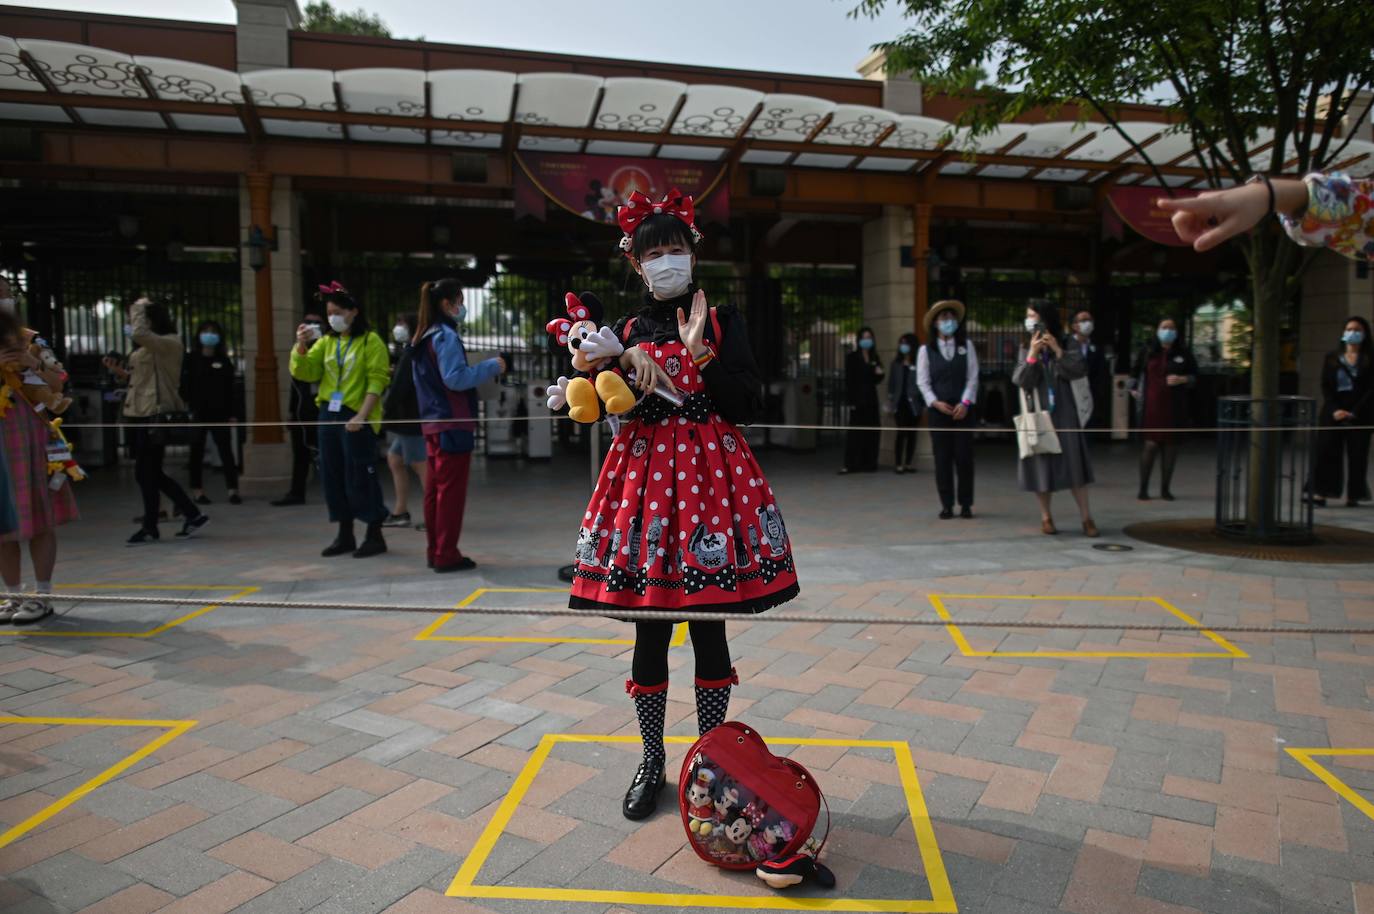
(1070, 469)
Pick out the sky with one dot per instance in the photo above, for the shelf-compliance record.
(790, 36)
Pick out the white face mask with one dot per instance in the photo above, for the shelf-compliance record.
(1085, 328)
(1032, 325)
(338, 323)
(7, 305)
(669, 275)
(400, 333)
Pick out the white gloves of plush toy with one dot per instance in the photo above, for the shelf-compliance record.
(558, 394)
(603, 344)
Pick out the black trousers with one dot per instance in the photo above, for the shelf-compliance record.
(953, 456)
(861, 447)
(1342, 463)
(906, 435)
(305, 447)
(150, 444)
(224, 443)
(650, 664)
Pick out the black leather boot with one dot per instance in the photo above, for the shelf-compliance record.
(343, 543)
(642, 798)
(651, 707)
(373, 543)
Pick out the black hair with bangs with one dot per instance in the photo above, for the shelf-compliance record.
(659, 229)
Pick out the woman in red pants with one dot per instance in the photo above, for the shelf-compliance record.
(445, 386)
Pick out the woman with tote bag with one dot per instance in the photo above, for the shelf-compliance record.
(1054, 451)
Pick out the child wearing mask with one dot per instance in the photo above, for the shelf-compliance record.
(682, 517)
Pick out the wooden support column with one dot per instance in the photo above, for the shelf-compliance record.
(920, 245)
(266, 397)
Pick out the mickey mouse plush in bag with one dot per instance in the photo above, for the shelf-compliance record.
(745, 808)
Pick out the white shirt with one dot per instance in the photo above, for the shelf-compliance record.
(947, 349)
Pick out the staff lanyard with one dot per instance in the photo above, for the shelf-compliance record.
(341, 358)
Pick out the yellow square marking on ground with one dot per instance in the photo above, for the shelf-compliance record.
(464, 885)
(174, 729)
(240, 592)
(938, 601)
(1327, 777)
(429, 632)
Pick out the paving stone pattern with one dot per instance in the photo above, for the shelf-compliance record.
(340, 765)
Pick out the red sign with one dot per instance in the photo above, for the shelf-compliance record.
(1136, 207)
(594, 186)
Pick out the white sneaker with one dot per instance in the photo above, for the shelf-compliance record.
(7, 610)
(31, 610)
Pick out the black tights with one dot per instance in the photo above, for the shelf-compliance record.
(1169, 452)
(650, 665)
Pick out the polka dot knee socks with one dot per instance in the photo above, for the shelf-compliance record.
(713, 701)
(651, 707)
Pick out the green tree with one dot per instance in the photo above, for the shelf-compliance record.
(1222, 69)
(321, 16)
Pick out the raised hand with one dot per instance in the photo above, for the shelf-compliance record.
(691, 328)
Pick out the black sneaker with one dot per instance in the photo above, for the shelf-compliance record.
(463, 564)
(397, 520)
(372, 545)
(642, 798)
(946, 513)
(193, 526)
(966, 513)
(143, 537)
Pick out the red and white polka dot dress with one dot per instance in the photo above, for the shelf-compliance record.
(682, 516)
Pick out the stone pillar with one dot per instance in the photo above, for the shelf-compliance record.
(261, 33)
(1332, 291)
(901, 94)
(268, 334)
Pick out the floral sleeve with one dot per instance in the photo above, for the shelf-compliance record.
(1340, 215)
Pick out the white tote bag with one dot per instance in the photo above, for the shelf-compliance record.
(1035, 432)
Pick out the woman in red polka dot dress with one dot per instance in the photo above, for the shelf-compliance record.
(682, 516)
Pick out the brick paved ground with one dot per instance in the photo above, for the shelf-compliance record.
(337, 764)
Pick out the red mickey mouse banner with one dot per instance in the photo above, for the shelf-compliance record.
(594, 187)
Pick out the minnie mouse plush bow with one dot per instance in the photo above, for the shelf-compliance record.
(639, 207)
(334, 288)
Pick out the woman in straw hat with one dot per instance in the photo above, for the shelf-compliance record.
(947, 373)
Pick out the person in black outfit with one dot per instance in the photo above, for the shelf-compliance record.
(208, 379)
(1098, 377)
(947, 373)
(1347, 400)
(304, 430)
(904, 401)
(863, 372)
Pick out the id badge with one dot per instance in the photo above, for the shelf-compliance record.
(336, 401)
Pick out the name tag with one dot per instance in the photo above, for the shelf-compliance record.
(1178, 360)
(336, 401)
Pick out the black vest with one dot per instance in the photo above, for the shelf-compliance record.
(948, 377)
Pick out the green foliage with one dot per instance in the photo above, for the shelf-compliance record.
(1222, 68)
(321, 16)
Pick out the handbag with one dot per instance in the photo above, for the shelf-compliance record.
(1035, 432)
(175, 423)
(742, 805)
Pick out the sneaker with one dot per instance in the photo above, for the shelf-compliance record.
(7, 610)
(203, 500)
(32, 610)
(397, 520)
(143, 537)
(193, 526)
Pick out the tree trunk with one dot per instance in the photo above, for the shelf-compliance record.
(1272, 262)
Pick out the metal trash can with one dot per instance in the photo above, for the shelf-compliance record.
(1264, 463)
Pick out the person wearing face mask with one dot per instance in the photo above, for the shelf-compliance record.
(445, 388)
(304, 432)
(1096, 384)
(208, 379)
(947, 373)
(1164, 377)
(1048, 374)
(1347, 402)
(407, 449)
(863, 372)
(904, 401)
(352, 367)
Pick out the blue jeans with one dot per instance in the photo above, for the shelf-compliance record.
(348, 470)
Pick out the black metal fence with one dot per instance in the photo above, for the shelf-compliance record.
(1264, 462)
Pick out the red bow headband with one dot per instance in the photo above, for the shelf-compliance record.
(334, 288)
(560, 327)
(639, 207)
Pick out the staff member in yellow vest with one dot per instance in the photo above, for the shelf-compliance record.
(352, 367)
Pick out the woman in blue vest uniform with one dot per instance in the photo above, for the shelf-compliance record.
(947, 373)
